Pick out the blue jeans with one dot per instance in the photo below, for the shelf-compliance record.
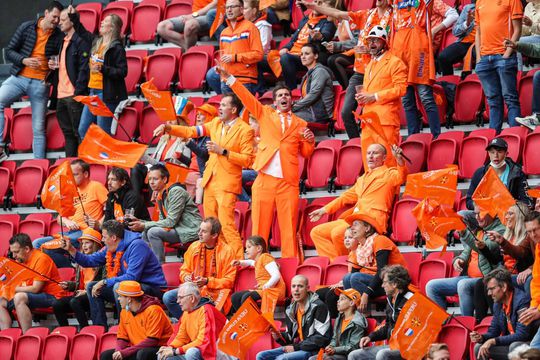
(279, 354)
(536, 93)
(38, 92)
(170, 301)
(414, 122)
(73, 235)
(360, 281)
(499, 80)
(88, 118)
(535, 342)
(438, 289)
(215, 83)
(191, 354)
(248, 175)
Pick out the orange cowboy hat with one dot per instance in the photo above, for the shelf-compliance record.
(366, 218)
(130, 288)
(352, 294)
(92, 235)
(209, 110)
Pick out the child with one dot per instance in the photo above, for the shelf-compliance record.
(327, 294)
(78, 303)
(267, 274)
(349, 327)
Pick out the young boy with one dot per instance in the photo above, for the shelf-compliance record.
(349, 327)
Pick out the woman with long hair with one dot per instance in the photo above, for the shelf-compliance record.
(108, 68)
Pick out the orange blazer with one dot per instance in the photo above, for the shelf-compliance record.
(373, 193)
(388, 79)
(290, 144)
(238, 142)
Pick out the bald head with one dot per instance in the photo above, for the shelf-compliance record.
(375, 156)
(299, 288)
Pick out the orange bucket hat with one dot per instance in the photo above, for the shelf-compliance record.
(129, 288)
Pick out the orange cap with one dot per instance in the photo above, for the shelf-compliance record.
(92, 235)
(352, 294)
(129, 288)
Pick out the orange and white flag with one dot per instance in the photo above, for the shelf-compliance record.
(492, 196)
(274, 61)
(160, 100)
(438, 185)
(59, 190)
(96, 106)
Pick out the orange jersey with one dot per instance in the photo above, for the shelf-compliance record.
(410, 13)
(93, 198)
(494, 20)
(43, 264)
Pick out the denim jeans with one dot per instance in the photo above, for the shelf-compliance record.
(248, 175)
(279, 354)
(38, 92)
(215, 83)
(536, 93)
(360, 282)
(414, 122)
(535, 342)
(438, 289)
(170, 300)
(88, 118)
(191, 354)
(350, 105)
(290, 65)
(74, 236)
(382, 352)
(499, 80)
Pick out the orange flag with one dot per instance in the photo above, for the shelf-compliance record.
(59, 190)
(417, 327)
(220, 17)
(372, 121)
(534, 193)
(438, 185)
(221, 298)
(98, 147)
(491, 196)
(245, 327)
(274, 61)
(161, 101)
(12, 275)
(435, 221)
(269, 301)
(95, 105)
(177, 173)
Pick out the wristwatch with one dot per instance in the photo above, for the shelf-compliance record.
(105, 282)
(225, 152)
(195, 14)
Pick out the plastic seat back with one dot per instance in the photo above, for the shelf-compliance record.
(27, 185)
(171, 270)
(430, 269)
(245, 279)
(55, 136)
(135, 69)
(403, 222)
(472, 155)
(413, 260)
(287, 268)
(531, 165)
(349, 164)
(312, 272)
(128, 120)
(21, 130)
(468, 100)
(193, 70)
(335, 273)
(149, 121)
(144, 22)
(320, 167)
(458, 336)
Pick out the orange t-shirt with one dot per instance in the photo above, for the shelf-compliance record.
(43, 264)
(473, 270)
(352, 260)
(383, 243)
(88, 274)
(93, 198)
(96, 77)
(199, 4)
(299, 317)
(152, 322)
(38, 52)
(65, 87)
(303, 35)
(262, 276)
(344, 324)
(409, 14)
(494, 19)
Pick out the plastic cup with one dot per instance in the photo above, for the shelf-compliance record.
(359, 88)
(55, 61)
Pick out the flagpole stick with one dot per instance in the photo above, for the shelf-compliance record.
(60, 215)
(122, 127)
(405, 156)
(34, 271)
(452, 316)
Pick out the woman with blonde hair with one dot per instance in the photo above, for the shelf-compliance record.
(108, 68)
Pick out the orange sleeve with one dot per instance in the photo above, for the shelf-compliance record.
(227, 276)
(397, 175)
(188, 266)
(250, 102)
(181, 337)
(246, 155)
(122, 333)
(188, 131)
(347, 198)
(157, 322)
(255, 53)
(535, 283)
(399, 82)
(382, 243)
(202, 329)
(517, 10)
(306, 147)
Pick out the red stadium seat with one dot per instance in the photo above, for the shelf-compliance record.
(124, 9)
(245, 279)
(430, 269)
(128, 122)
(335, 273)
(448, 38)
(6, 232)
(287, 267)
(416, 151)
(355, 5)
(8, 342)
(148, 122)
(468, 100)
(56, 346)
(321, 261)
(403, 222)
(27, 184)
(146, 16)
(171, 270)
(413, 260)
(177, 9)
(481, 329)
(30, 345)
(308, 225)
(207, 49)
(349, 164)
(84, 346)
(515, 137)
(135, 69)
(34, 228)
(531, 165)
(313, 273)
(447, 257)
(5, 182)
(193, 70)
(338, 104)
(89, 14)
(321, 168)
(458, 337)
(107, 341)
(20, 130)
(444, 150)
(472, 155)
(162, 66)
(55, 136)
(264, 343)
(98, 173)
(525, 90)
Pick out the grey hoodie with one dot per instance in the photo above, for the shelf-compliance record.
(318, 104)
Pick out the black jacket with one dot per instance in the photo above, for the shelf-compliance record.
(517, 183)
(23, 41)
(392, 312)
(114, 71)
(128, 199)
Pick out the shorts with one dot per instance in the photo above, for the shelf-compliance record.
(35, 301)
(204, 24)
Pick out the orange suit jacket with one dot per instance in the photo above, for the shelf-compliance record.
(289, 144)
(238, 142)
(387, 78)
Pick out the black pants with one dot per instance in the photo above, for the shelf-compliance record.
(144, 354)
(482, 302)
(350, 105)
(330, 298)
(238, 298)
(68, 112)
(137, 176)
(452, 55)
(79, 305)
(338, 63)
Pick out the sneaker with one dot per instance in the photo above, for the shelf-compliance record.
(530, 121)
(3, 156)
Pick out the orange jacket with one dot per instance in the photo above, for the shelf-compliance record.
(387, 79)
(239, 144)
(373, 193)
(535, 283)
(244, 43)
(290, 145)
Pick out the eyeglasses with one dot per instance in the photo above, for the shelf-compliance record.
(181, 297)
(492, 288)
(231, 7)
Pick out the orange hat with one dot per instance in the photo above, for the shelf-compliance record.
(363, 217)
(352, 294)
(92, 235)
(129, 288)
(209, 110)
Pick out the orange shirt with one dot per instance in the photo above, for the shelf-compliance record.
(344, 324)
(93, 198)
(299, 317)
(152, 322)
(303, 35)
(262, 276)
(96, 78)
(199, 4)
(65, 87)
(383, 243)
(38, 52)
(494, 19)
(88, 274)
(43, 264)
(507, 308)
(351, 258)
(473, 270)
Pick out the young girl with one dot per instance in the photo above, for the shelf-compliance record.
(78, 303)
(267, 274)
